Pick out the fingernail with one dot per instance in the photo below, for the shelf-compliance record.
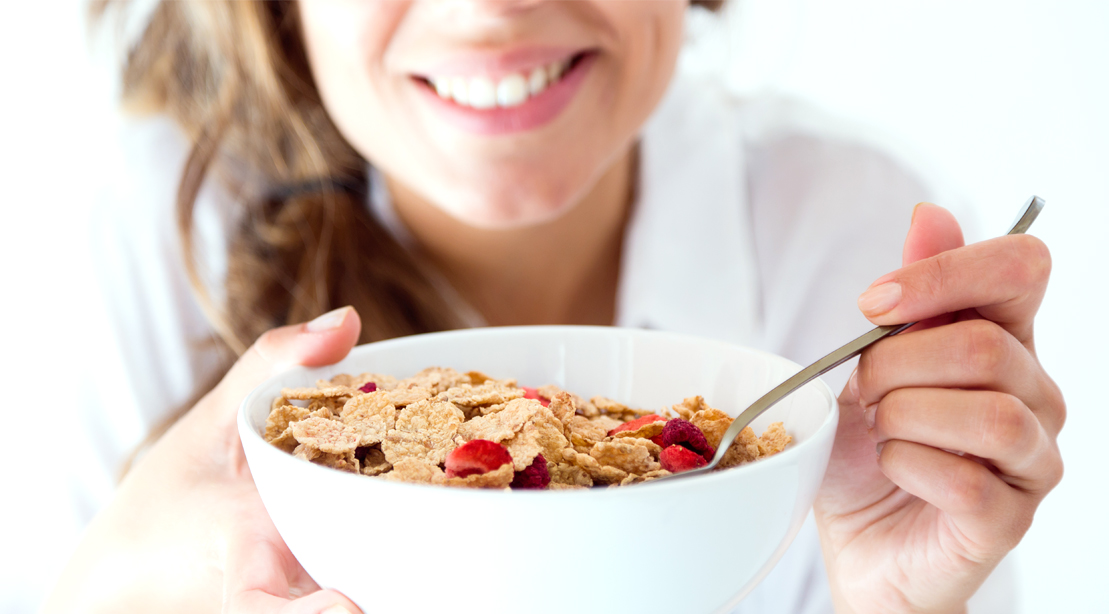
(328, 321)
(880, 298)
(868, 415)
(853, 383)
(337, 608)
(878, 448)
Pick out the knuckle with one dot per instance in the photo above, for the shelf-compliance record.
(891, 413)
(1056, 405)
(929, 282)
(1009, 424)
(987, 346)
(1032, 260)
(971, 486)
(1054, 471)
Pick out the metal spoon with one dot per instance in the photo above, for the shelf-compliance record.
(1024, 219)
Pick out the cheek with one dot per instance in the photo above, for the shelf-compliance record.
(651, 34)
(346, 42)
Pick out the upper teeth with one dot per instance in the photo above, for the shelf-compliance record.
(509, 91)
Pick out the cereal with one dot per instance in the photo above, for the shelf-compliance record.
(309, 394)
(325, 435)
(647, 427)
(625, 456)
(713, 423)
(568, 475)
(415, 470)
(424, 429)
(501, 477)
(487, 394)
(774, 439)
(646, 477)
(344, 462)
(744, 449)
(374, 463)
(562, 406)
(584, 433)
(407, 395)
(370, 415)
(280, 418)
(601, 474)
(437, 379)
(469, 430)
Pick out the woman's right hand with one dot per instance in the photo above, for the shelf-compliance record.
(186, 531)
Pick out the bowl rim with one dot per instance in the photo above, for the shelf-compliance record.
(830, 422)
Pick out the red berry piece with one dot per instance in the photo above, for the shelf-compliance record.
(535, 476)
(477, 456)
(533, 393)
(685, 433)
(677, 459)
(368, 387)
(635, 425)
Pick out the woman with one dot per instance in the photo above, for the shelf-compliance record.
(533, 162)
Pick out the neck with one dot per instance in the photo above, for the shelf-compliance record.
(559, 272)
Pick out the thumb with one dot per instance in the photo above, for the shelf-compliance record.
(933, 230)
(323, 341)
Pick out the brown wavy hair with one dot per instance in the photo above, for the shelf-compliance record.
(235, 77)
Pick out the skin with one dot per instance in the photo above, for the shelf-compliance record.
(490, 211)
(916, 528)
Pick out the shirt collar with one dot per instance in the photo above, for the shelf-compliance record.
(689, 262)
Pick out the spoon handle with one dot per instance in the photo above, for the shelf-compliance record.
(852, 349)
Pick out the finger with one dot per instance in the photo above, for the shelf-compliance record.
(262, 577)
(325, 340)
(1004, 279)
(991, 425)
(990, 516)
(933, 230)
(320, 602)
(974, 354)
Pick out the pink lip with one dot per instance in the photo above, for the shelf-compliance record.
(533, 113)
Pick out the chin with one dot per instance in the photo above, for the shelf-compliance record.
(508, 209)
(509, 216)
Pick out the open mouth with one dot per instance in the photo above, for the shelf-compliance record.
(505, 91)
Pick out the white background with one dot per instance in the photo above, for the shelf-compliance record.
(1004, 99)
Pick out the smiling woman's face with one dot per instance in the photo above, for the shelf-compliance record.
(500, 113)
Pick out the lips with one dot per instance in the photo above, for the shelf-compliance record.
(513, 89)
(509, 97)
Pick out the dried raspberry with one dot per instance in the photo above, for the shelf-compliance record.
(708, 453)
(533, 393)
(368, 387)
(535, 476)
(676, 459)
(477, 456)
(685, 433)
(638, 422)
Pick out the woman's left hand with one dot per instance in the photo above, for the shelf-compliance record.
(947, 435)
(186, 531)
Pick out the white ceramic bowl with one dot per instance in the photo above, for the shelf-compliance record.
(690, 546)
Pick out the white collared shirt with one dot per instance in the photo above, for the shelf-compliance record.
(756, 222)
